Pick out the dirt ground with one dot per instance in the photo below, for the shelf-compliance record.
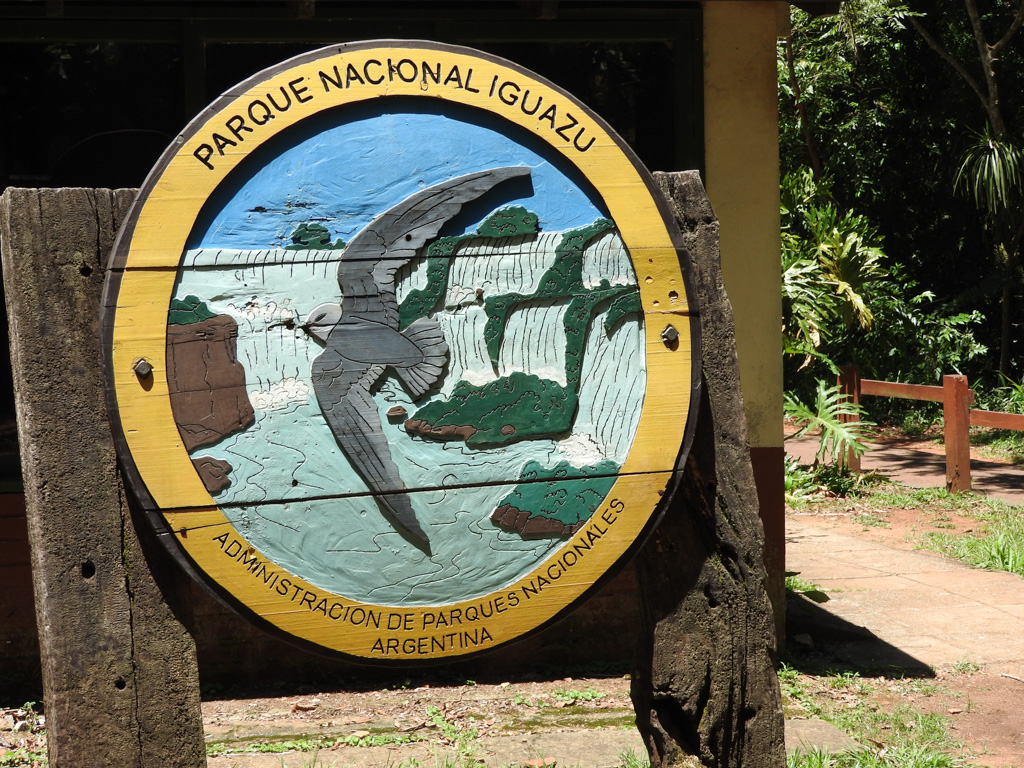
(504, 724)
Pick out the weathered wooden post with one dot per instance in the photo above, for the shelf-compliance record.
(849, 386)
(956, 414)
(119, 669)
(705, 689)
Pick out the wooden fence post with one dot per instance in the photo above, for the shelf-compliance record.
(956, 403)
(119, 670)
(849, 387)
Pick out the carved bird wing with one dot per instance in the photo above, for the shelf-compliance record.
(342, 388)
(366, 273)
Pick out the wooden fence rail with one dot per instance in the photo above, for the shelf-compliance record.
(958, 416)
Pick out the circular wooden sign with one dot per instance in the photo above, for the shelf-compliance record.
(399, 350)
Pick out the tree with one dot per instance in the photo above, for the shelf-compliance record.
(991, 168)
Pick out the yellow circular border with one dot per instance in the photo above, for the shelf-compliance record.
(150, 256)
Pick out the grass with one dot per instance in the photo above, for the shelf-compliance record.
(309, 743)
(893, 736)
(795, 584)
(23, 756)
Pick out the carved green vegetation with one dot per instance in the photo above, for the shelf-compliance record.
(551, 494)
(313, 235)
(507, 222)
(189, 310)
(516, 407)
(524, 406)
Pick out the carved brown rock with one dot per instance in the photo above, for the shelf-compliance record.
(215, 473)
(531, 526)
(447, 432)
(206, 381)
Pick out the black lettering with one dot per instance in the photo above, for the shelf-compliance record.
(397, 70)
(513, 599)
(581, 545)
(265, 117)
(362, 616)
(428, 619)
(408, 646)
(220, 142)
(335, 81)
(436, 645)
(494, 83)
(561, 131)
(392, 645)
(522, 104)
(542, 582)
(287, 101)
(234, 543)
(394, 621)
(236, 124)
(592, 537)
(321, 606)
(378, 647)
(472, 613)
(529, 589)
(331, 611)
(454, 76)
(203, 153)
(549, 114)
(296, 593)
(502, 93)
(427, 71)
(366, 72)
(223, 538)
(617, 505)
(352, 76)
(373, 618)
(248, 559)
(469, 80)
(300, 91)
(576, 141)
(485, 635)
(558, 571)
(565, 559)
(282, 587)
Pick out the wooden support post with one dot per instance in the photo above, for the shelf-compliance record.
(705, 689)
(956, 405)
(119, 670)
(849, 387)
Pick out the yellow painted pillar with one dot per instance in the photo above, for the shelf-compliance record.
(742, 181)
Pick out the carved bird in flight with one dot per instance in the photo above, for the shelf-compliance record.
(361, 337)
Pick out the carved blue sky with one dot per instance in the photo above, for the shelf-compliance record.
(344, 167)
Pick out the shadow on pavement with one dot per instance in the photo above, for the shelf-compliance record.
(819, 640)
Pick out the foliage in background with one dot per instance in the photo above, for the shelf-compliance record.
(867, 106)
(846, 302)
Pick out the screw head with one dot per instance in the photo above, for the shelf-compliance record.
(670, 334)
(143, 368)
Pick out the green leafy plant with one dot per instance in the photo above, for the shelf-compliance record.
(573, 695)
(831, 416)
(795, 584)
